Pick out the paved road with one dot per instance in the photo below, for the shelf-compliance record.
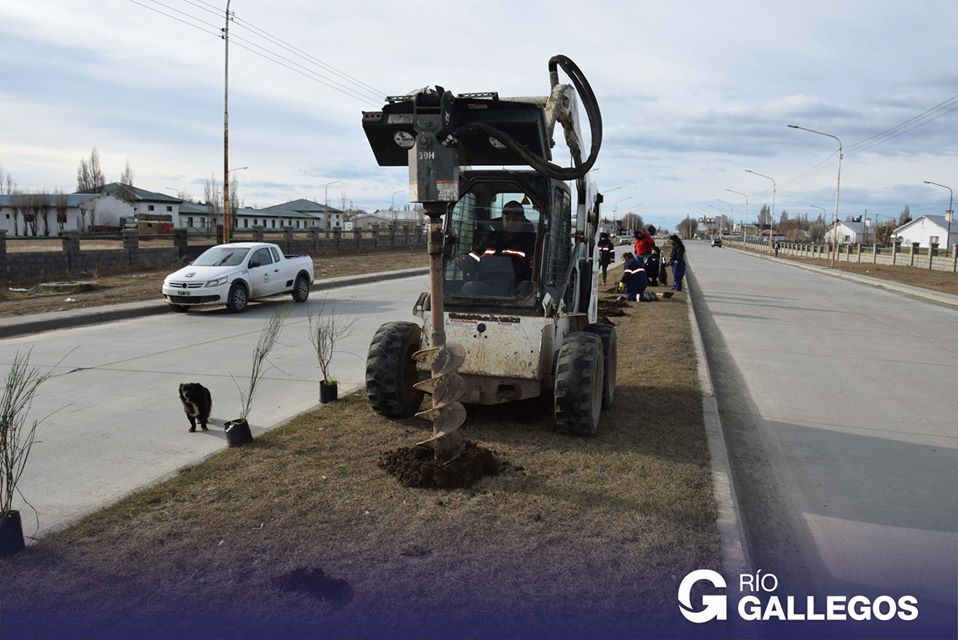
(839, 407)
(117, 421)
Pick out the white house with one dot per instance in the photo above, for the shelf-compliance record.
(926, 231)
(145, 202)
(29, 214)
(848, 232)
(326, 217)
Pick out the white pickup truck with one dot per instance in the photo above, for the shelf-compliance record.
(233, 274)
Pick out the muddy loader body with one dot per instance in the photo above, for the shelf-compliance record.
(511, 311)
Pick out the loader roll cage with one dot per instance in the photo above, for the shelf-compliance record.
(498, 260)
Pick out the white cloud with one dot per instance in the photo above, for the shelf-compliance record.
(692, 93)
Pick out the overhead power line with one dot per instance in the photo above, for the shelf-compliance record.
(262, 33)
(364, 96)
(931, 114)
(189, 24)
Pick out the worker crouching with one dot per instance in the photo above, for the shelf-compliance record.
(634, 278)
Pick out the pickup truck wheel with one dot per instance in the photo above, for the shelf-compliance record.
(179, 308)
(301, 289)
(610, 350)
(580, 374)
(391, 372)
(237, 299)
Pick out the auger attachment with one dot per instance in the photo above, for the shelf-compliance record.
(446, 387)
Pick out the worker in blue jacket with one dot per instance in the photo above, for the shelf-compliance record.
(634, 277)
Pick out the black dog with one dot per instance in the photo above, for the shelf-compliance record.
(197, 403)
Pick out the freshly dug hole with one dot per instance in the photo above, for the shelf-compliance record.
(417, 467)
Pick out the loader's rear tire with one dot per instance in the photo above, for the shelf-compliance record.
(610, 353)
(391, 371)
(580, 373)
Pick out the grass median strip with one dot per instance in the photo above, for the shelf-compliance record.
(585, 533)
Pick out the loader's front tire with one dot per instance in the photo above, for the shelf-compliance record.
(580, 374)
(610, 350)
(391, 371)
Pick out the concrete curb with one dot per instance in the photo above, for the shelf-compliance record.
(889, 285)
(34, 323)
(735, 555)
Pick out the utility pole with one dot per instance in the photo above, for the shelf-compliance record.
(226, 128)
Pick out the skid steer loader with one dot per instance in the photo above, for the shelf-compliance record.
(511, 310)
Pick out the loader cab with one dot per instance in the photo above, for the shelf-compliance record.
(504, 237)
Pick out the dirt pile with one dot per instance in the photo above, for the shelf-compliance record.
(612, 308)
(416, 467)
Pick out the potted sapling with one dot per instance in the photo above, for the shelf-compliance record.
(17, 435)
(326, 329)
(237, 431)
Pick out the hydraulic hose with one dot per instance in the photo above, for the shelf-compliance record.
(540, 164)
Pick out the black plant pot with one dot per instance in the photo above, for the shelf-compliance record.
(328, 392)
(238, 433)
(11, 534)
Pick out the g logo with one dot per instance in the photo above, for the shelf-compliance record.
(715, 605)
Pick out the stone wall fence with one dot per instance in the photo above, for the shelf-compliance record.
(72, 261)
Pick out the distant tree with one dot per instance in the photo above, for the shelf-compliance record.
(764, 219)
(44, 207)
(31, 213)
(905, 216)
(61, 204)
(19, 205)
(632, 221)
(687, 227)
(89, 174)
(234, 200)
(126, 178)
(88, 210)
(7, 180)
(816, 229)
(212, 197)
(884, 231)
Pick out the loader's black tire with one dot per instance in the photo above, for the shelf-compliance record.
(391, 371)
(580, 373)
(610, 352)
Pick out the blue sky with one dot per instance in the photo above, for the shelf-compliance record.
(692, 94)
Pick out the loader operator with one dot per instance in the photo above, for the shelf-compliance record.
(501, 262)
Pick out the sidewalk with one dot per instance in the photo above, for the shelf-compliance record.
(33, 323)
(939, 297)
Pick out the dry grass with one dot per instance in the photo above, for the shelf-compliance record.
(944, 281)
(145, 285)
(582, 537)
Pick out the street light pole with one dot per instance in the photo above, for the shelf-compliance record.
(326, 191)
(948, 214)
(838, 186)
(615, 209)
(393, 205)
(731, 210)
(744, 235)
(772, 213)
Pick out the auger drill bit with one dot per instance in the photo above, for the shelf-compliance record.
(446, 387)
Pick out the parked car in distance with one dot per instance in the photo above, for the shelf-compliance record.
(716, 242)
(236, 273)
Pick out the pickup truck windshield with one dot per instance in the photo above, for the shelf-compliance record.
(221, 257)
